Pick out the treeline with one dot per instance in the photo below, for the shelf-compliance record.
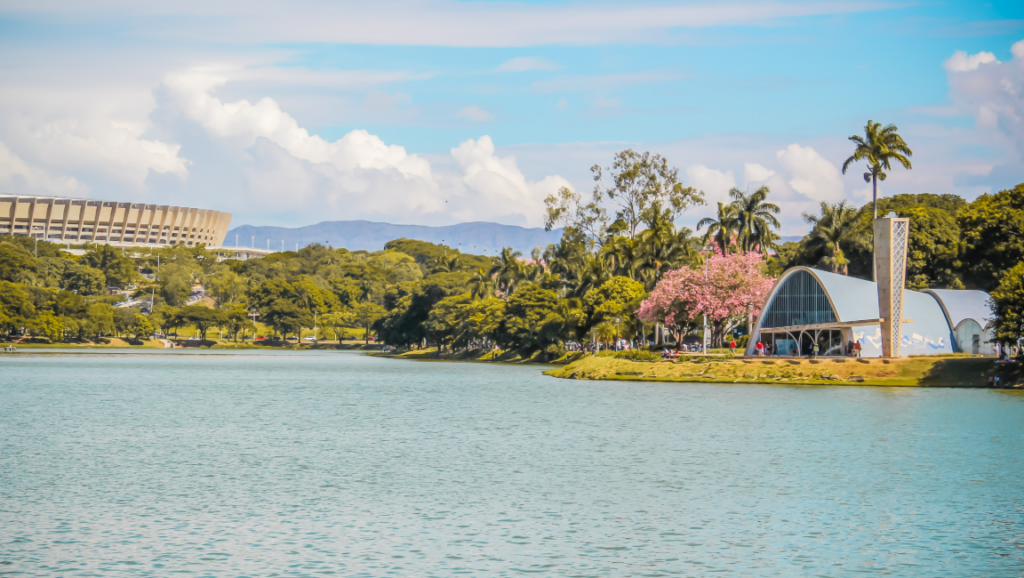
(621, 253)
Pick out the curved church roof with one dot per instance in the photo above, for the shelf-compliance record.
(847, 295)
(964, 304)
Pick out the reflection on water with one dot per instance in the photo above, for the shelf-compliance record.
(337, 463)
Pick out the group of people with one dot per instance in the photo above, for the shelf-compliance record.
(762, 349)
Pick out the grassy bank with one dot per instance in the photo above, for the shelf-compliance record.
(912, 372)
(472, 355)
(116, 343)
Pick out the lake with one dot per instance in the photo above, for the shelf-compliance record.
(336, 463)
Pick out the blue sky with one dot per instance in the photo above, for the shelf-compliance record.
(434, 112)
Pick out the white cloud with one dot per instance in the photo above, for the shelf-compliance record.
(755, 173)
(993, 94)
(18, 177)
(715, 184)
(498, 182)
(526, 63)
(474, 113)
(812, 175)
(243, 122)
(431, 22)
(961, 62)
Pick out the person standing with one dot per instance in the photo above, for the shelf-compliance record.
(814, 351)
(760, 349)
(856, 349)
(732, 347)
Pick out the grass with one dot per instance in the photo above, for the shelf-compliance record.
(474, 355)
(907, 372)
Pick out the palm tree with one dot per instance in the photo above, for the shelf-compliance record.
(508, 269)
(837, 225)
(445, 264)
(755, 218)
(590, 274)
(623, 255)
(481, 285)
(879, 147)
(720, 230)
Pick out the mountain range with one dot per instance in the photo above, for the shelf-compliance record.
(478, 238)
(474, 238)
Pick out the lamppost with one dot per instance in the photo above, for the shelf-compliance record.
(617, 321)
(705, 337)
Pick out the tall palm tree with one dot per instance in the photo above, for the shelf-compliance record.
(481, 285)
(445, 264)
(623, 256)
(591, 273)
(879, 147)
(837, 225)
(722, 229)
(755, 218)
(508, 269)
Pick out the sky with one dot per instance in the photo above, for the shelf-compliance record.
(437, 112)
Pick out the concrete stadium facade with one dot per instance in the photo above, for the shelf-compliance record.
(63, 220)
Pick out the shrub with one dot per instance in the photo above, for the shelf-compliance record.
(632, 355)
(554, 351)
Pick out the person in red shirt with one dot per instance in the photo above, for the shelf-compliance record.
(732, 347)
(760, 349)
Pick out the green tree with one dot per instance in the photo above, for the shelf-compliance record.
(721, 229)
(202, 318)
(142, 327)
(992, 229)
(13, 261)
(175, 282)
(47, 325)
(99, 319)
(337, 321)
(365, 315)
(618, 298)
(286, 317)
(1008, 302)
(638, 182)
(448, 322)
(880, 147)
(755, 220)
(226, 287)
(118, 269)
(532, 321)
(236, 320)
(16, 306)
(508, 270)
(837, 226)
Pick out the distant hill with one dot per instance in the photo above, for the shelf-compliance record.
(472, 238)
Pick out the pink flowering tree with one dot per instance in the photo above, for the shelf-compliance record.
(734, 292)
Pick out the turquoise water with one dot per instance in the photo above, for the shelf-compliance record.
(333, 463)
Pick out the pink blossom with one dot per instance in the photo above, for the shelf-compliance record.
(736, 286)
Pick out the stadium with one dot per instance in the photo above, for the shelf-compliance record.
(63, 220)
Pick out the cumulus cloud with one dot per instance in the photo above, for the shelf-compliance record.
(991, 91)
(243, 122)
(19, 177)
(475, 114)
(812, 175)
(526, 63)
(715, 184)
(498, 182)
(961, 62)
(755, 173)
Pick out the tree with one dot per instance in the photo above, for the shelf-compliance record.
(175, 281)
(508, 270)
(722, 229)
(83, 279)
(202, 318)
(637, 182)
(286, 317)
(226, 287)
(13, 260)
(99, 319)
(992, 228)
(16, 306)
(448, 320)
(236, 320)
(617, 298)
(1008, 302)
(879, 147)
(142, 327)
(755, 220)
(47, 325)
(531, 320)
(118, 269)
(366, 314)
(837, 226)
(736, 288)
(337, 321)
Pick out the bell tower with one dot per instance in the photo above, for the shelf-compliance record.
(891, 234)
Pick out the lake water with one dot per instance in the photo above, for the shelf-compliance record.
(335, 463)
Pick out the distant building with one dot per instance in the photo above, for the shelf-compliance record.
(63, 220)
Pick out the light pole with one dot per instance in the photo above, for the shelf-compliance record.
(315, 314)
(705, 337)
(252, 314)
